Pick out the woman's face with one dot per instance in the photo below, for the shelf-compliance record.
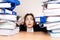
(29, 21)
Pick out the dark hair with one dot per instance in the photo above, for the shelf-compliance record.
(28, 15)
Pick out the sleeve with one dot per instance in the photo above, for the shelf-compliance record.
(44, 29)
(40, 28)
(22, 28)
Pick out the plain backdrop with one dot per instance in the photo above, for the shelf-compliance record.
(30, 6)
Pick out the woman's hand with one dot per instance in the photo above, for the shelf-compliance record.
(20, 22)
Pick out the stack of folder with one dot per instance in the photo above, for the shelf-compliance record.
(52, 13)
(8, 17)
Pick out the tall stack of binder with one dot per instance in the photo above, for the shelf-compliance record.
(8, 17)
(52, 13)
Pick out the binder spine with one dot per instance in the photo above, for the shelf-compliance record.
(43, 19)
(14, 3)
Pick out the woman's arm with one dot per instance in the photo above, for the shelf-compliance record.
(20, 22)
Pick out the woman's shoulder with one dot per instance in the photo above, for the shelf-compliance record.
(22, 28)
(38, 25)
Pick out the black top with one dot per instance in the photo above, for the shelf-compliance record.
(35, 28)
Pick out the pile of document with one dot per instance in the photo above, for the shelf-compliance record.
(52, 13)
(8, 17)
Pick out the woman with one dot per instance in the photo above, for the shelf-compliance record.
(30, 24)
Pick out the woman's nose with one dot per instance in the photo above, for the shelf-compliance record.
(29, 20)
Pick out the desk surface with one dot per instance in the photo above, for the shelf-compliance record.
(29, 36)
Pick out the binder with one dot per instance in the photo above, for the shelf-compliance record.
(9, 32)
(7, 25)
(14, 3)
(56, 31)
(7, 12)
(53, 27)
(5, 5)
(55, 35)
(17, 2)
(51, 24)
(52, 6)
(53, 19)
(8, 17)
(51, 12)
(41, 19)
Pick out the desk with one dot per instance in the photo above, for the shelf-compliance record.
(28, 36)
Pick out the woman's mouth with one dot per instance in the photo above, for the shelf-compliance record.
(29, 24)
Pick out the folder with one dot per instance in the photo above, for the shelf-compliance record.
(8, 17)
(41, 19)
(5, 5)
(17, 2)
(9, 32)
(55, 35)
(7, 12)
(14, 3)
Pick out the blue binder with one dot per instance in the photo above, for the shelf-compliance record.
(43, 19)
(13, 13)
(13, 6)
(14, 3)
(7, 12)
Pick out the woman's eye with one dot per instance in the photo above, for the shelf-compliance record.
(31, 18)
(27, 19)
